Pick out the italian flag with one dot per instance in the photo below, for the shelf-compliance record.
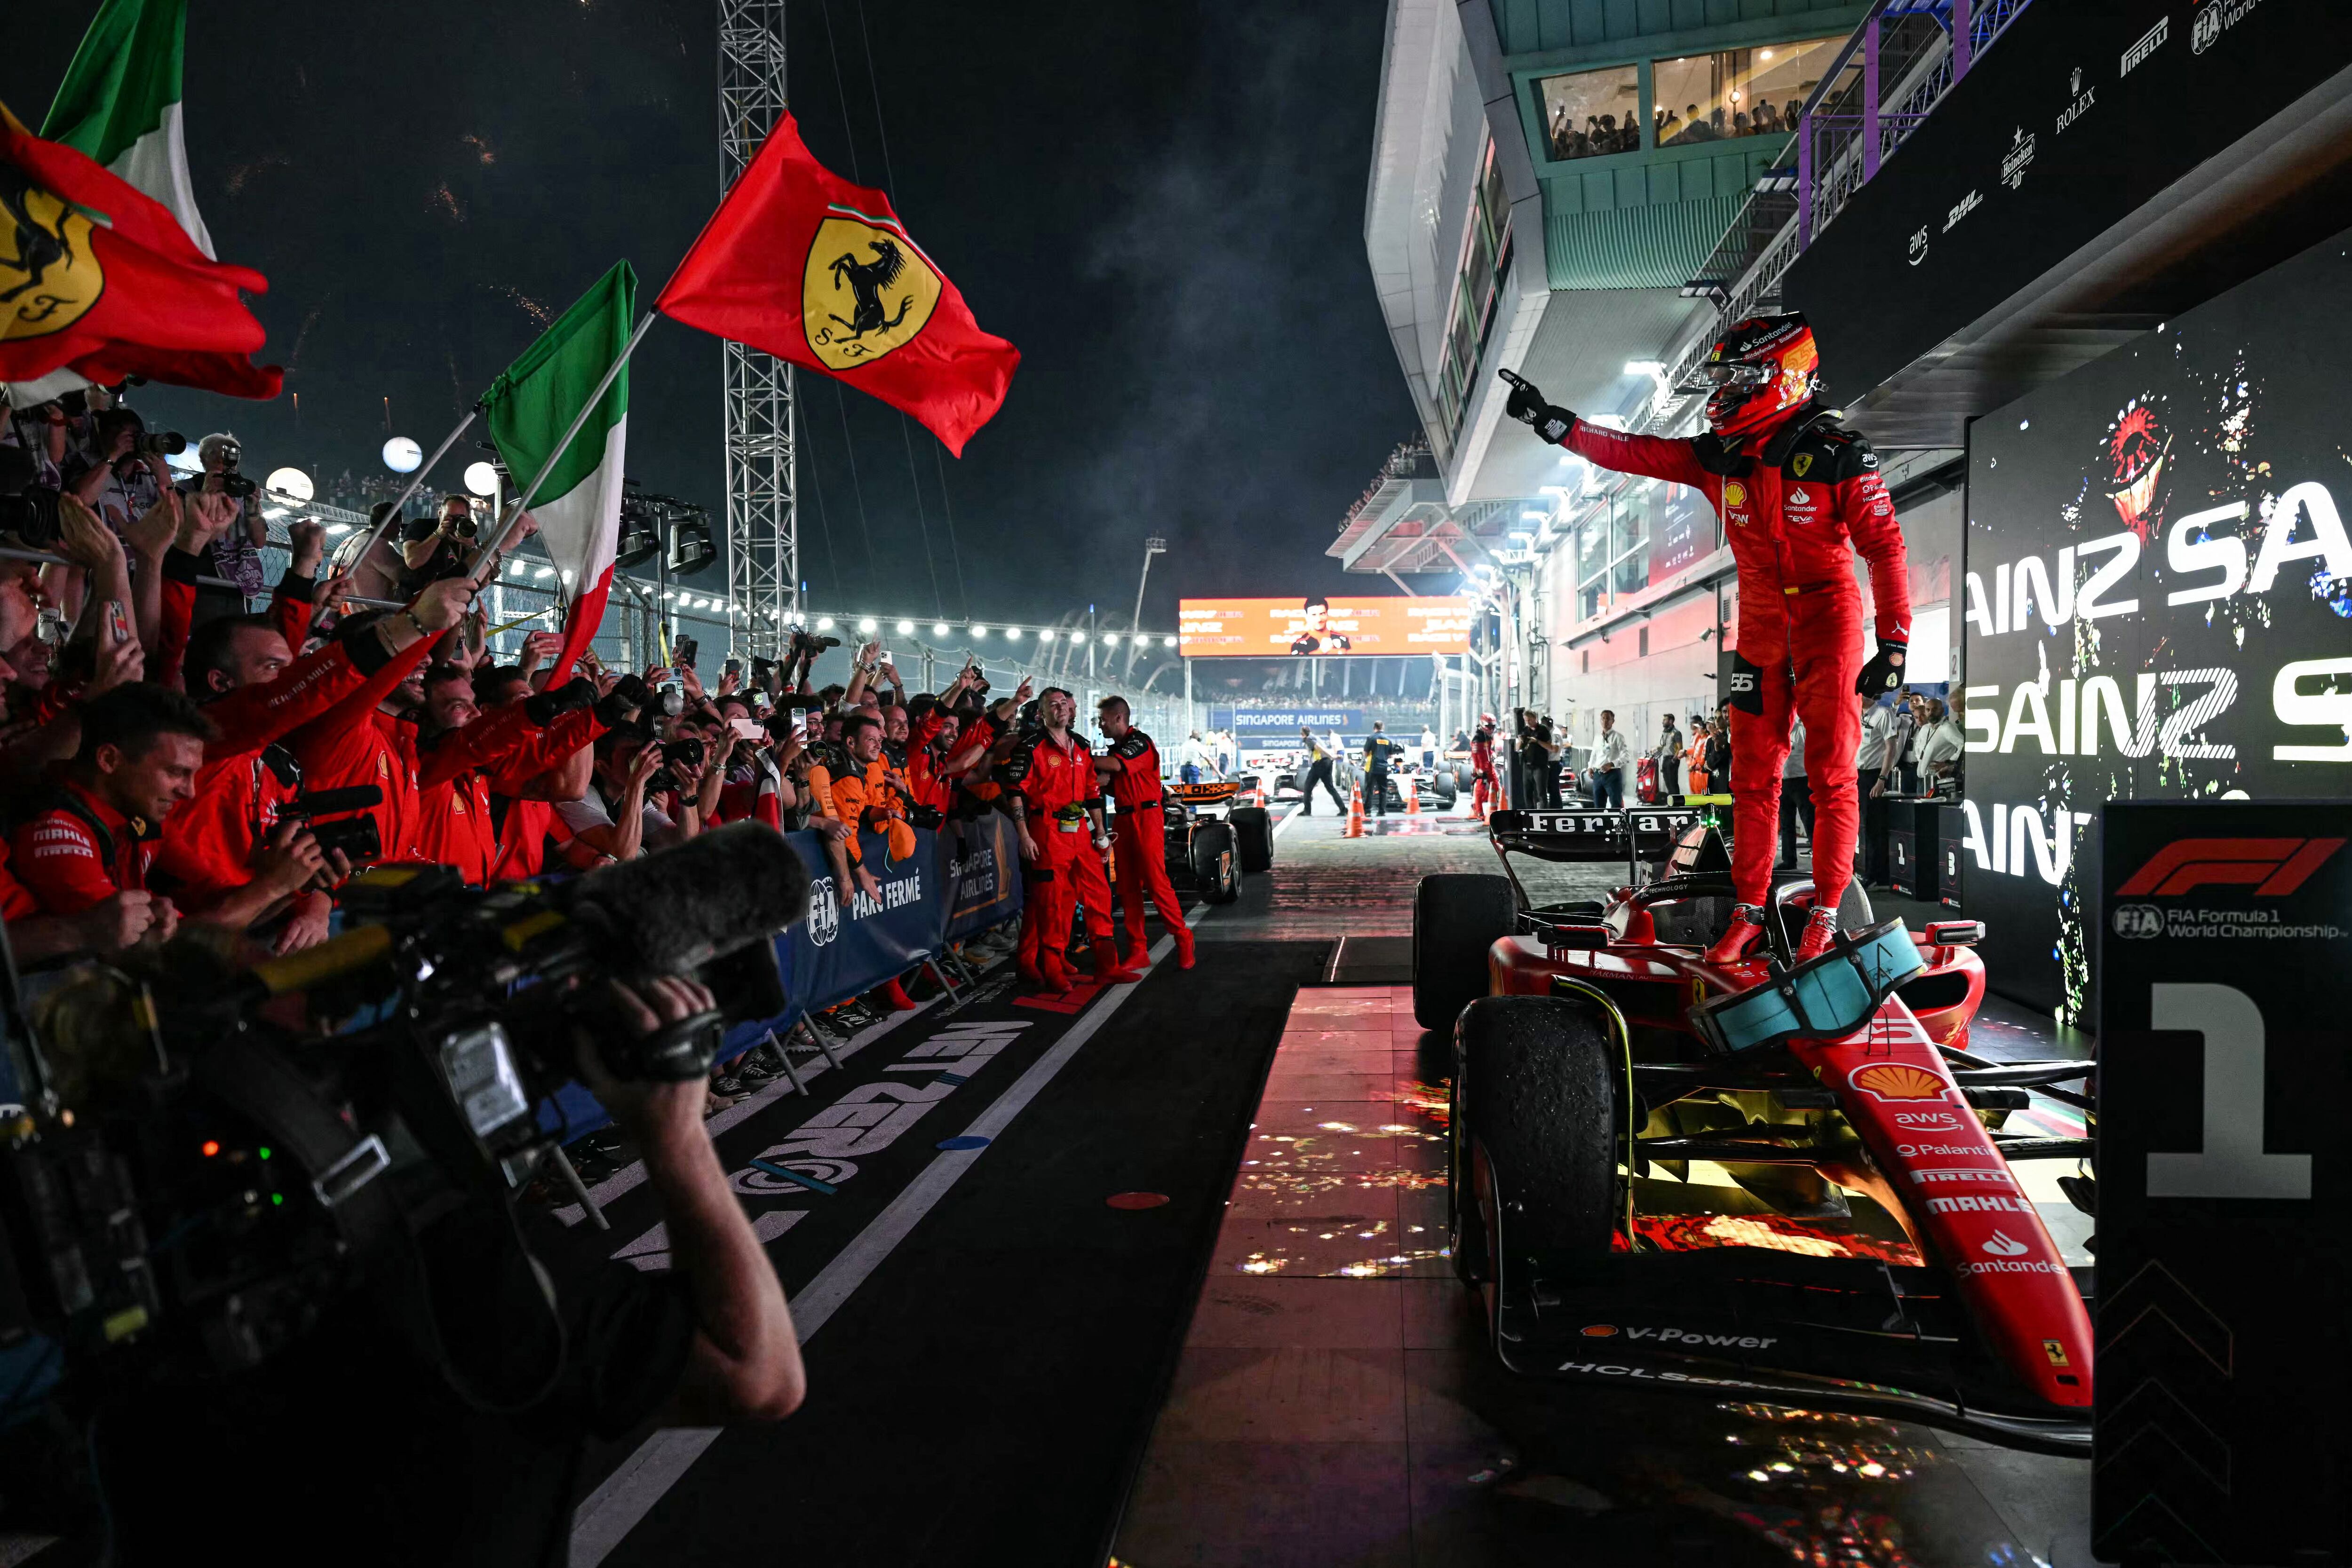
(121, 105)
(577, 507)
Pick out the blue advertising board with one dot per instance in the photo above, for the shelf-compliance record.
(1265, 723)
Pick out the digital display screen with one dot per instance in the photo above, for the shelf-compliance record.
(1315, 627)
(2156, 604)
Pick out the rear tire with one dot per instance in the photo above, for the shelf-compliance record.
(1455, 919)
(1441, 784)
(1536, 1109)
(1216, 863)
(1254, 834)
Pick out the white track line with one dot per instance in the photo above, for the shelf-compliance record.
(629, 1493)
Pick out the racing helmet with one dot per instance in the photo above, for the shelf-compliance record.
(1757, 371)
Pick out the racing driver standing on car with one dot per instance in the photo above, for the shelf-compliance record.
(1799, 495)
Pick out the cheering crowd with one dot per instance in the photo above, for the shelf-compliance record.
(170, 757)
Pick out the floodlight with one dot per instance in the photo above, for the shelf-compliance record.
(980, 630)
(402, 456)
(482, 479)
(938, 628)
(866, 625)
(906, 628)
(825, 623)
(1044, 636)
(291, 483)
(1013, 633)
(543, 573)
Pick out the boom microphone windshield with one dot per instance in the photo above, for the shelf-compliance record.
(678, 909)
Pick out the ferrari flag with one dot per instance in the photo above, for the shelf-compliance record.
(103, 281)
(802, 265)
(578, 506)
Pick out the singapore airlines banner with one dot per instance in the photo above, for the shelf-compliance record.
(2158, 602)
(1314, 626)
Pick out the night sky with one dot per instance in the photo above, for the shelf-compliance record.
(1161, 206)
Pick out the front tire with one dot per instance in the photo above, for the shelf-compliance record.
(1455, 919)
(1216, 863)
(1538, 1109)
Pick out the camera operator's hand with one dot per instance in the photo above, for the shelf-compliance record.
(307, 540)
(306, 923)
(693, 684)
(113, 923)
(289, 861)
(745, 1361)
(204, 518)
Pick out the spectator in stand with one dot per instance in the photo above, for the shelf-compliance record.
(1609, 757)
(1668, 755)
(125, 475)
(235, 555)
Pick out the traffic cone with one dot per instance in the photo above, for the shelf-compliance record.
(1355, 827)
(1412, 800)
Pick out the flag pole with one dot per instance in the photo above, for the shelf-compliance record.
(523, 501)
(384, 529)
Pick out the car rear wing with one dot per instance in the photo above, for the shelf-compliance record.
(1633, 834)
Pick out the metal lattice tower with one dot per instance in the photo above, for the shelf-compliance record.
(764, 547)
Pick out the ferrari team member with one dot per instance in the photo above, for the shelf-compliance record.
(459, 751)
(1055, 801)
(141, 748)
(1485, 789)
(1799, 495)
(1130, 771)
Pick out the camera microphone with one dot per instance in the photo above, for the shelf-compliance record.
(675, 911)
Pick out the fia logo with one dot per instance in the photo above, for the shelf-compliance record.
(2206, 29)
(2137, 920)
(824, 912)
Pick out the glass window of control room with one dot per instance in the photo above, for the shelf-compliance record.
(1738, 92)
(1477, 285)
(1592, 113)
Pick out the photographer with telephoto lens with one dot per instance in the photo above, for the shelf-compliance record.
(235, 556)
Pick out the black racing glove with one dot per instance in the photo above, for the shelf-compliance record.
(1883, 674)
(1527, 406)
(544, 709)
(619, 706)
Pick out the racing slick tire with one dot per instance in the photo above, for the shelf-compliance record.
(1441, 785)
(1216, 863)
(1455, 919)
(1535, 1112)
(1254, 835)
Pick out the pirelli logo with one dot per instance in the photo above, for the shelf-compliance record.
(2272, 867)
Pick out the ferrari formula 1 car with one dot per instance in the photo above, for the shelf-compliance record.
(1211, 842)
(1772, 1183)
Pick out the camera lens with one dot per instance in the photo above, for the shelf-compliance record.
(162, 443)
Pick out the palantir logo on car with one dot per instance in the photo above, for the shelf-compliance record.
(824, 912)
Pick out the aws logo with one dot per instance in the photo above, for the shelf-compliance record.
(2272, 867)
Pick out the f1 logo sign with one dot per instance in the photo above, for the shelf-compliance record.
(2272, 867)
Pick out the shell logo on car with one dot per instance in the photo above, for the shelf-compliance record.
(1894, 1082)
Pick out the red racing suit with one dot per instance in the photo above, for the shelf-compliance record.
(1056, 782)
(1139, 842)
(1485, 789)
(1795, 513)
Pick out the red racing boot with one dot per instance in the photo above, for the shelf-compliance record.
(1742, 939)
(1052, 978)
(1184, 947)
(1821, 929)
(1107, 966)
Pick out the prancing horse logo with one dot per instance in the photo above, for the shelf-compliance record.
(50, 278)
(866, 289)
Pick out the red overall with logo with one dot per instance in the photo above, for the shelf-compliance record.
(1795, 516)
(1140, 846)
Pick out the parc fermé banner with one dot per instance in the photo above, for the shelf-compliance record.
(2158, 602)
(2223, 1182)
(954, 884)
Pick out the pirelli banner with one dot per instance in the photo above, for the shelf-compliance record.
(2158, 602)
(2223, 1179)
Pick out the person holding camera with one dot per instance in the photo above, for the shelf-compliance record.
(235, 554)
(127, 474)
(363, 1441)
